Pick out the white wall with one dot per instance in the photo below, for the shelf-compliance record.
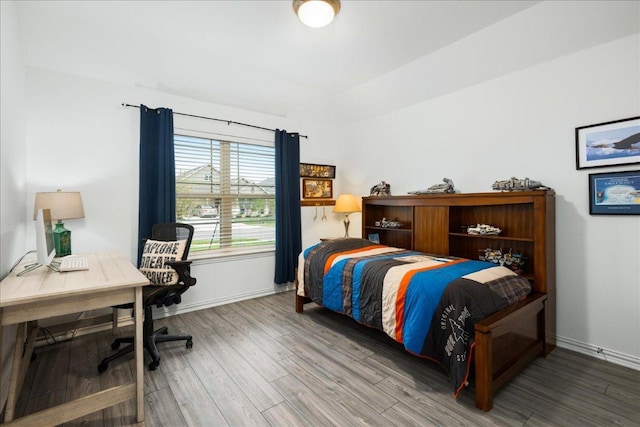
(80, 138)
(12, 142)
(12, 166)
(523, 125)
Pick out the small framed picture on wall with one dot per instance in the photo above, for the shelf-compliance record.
(317, 189)
(310, 170)
(614, 193)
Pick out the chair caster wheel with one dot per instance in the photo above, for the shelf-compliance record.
(154, 365)
(115, 345)
(102, 367)
(189, 343)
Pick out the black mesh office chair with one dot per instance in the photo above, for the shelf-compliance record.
(160, 296)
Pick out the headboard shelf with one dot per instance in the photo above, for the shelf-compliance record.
(491, 237)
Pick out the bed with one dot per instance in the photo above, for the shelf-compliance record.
(453, 311)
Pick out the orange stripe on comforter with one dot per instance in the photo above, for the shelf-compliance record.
(332, 258)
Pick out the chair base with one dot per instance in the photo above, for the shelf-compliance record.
(150, 344)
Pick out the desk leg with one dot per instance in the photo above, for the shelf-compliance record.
(114, 322)
(139, 352)
(21, 360)
(12, 397)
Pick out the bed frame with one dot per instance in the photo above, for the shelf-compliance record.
(508, 340)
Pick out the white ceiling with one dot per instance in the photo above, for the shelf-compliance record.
(256, 55)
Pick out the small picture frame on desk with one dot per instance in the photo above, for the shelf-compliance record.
(374, 237)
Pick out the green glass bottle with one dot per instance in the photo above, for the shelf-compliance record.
(62, 240)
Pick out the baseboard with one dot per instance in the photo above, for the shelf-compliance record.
(612, 356)
(200, 305)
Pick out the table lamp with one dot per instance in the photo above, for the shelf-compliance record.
(63, 205)
(346, 204)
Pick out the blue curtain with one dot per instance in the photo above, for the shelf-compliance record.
(157, 200)
(288, 228)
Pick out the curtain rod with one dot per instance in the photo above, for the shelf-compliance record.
(228, 122)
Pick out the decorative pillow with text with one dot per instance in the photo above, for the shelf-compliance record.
(154, 257)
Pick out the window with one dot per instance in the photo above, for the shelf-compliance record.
(226, 190)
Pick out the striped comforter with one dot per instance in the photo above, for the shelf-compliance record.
(427, 303)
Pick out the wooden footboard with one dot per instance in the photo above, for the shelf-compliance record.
(505, 343)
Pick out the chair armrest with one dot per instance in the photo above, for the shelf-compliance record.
(183, 268)
(179, 262)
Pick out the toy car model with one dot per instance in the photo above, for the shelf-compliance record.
(484, 229)
(515, 184)
(446, 187)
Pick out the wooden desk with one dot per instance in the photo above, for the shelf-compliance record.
(42, 293)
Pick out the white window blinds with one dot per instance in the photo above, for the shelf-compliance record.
(226, 190)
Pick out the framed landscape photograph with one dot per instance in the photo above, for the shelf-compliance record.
(614, 193)
(317, 189)
(309, 170)
(608, 144)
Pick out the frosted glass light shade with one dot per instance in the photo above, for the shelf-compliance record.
(316, 13)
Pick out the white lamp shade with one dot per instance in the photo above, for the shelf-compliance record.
(346, 203)
(316, 13)
(63, 205)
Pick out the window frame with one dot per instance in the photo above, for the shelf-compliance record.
(227, 251)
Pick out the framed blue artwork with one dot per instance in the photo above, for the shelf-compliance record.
(608, 144)
(614, 193)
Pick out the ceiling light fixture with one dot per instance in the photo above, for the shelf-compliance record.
(316, 13)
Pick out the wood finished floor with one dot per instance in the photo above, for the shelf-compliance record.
(257, 362)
